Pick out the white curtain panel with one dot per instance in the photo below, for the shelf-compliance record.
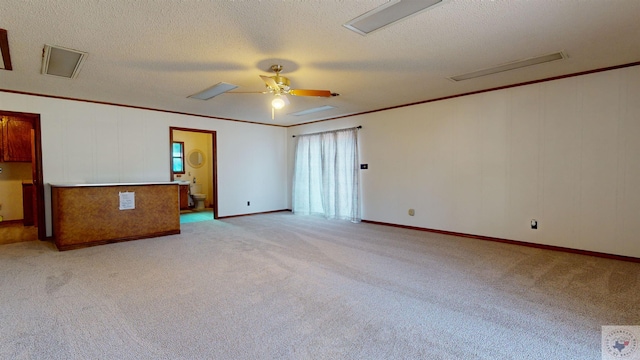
(326, 178)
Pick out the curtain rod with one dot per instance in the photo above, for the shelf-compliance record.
(357, 127)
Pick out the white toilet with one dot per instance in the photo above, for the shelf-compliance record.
(197, 196)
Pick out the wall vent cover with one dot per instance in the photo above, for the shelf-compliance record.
(59, 61)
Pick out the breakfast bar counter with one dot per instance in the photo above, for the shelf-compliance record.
(95, 214)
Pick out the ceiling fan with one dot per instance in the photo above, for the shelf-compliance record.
(279, 86)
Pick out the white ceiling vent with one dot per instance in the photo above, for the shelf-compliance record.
(511, 66)
(313, 110)
(215, 90)
(387, 14)
(59, 61)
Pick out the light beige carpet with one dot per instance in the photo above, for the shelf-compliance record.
(280, 286)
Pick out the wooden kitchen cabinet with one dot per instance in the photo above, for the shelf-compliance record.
(15, 141)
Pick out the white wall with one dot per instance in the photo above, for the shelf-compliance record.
(92, 143)
(564, 152)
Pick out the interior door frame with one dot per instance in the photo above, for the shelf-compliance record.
(36, 166)
(214, 161)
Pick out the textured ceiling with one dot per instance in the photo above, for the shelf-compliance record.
(155, 53)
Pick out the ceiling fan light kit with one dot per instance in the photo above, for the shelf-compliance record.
(277, 85)
(388, 14)
(277, 103)
(280, 87)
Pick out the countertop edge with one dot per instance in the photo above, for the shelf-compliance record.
(114, 184)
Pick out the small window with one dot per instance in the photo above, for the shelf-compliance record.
(177, 157)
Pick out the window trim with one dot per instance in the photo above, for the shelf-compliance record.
(181, 157)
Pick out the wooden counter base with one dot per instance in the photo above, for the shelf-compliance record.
(88, 215)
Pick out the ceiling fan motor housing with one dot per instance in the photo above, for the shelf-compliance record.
(282, 82)
(279, 85)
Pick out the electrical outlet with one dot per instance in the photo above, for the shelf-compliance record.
(248, 203)
(534, 224)
(412, 212)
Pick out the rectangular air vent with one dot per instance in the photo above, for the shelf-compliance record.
(215, 90)
(313, 110)
(387, 14)
(59, 61)
(510, 66)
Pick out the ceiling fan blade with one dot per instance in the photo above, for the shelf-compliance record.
(247, 92)
(299, 92)
(270, 82)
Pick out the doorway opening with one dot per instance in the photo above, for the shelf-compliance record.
(22, 179)
(193, 154)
